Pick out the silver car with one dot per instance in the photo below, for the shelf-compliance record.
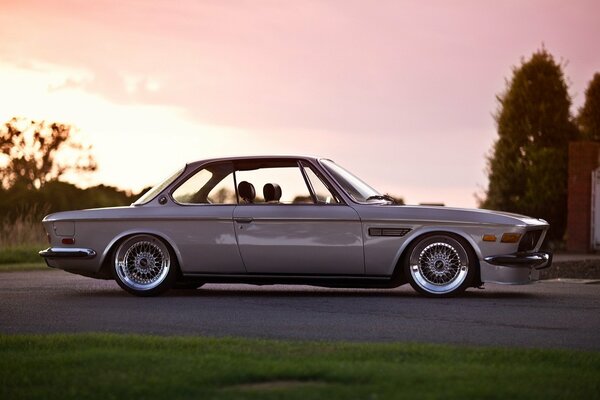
(292, 220)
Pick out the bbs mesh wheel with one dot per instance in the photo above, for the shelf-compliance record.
(440, 265)
(143, 265)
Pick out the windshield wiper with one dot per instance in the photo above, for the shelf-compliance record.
(382, 197)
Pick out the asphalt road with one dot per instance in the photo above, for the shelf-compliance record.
(557, 315)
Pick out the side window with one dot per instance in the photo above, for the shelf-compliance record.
(223, 192)
(210, 185)
(272, 185)
(322, 193)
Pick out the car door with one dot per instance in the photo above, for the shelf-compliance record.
(203, 223)
(297, 233)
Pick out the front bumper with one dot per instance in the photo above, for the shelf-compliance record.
(538, 260)
(514, 269)
(61, 252)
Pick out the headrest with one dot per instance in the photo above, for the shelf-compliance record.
(272, 192)
(246, 191)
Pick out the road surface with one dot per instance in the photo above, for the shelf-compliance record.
(549, 315)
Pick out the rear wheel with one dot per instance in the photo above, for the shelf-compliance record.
(143, 265)
(440, 265)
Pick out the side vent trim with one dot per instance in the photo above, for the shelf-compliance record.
(398, 232)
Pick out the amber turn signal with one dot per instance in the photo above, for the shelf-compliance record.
(489, 238)
(510, 237)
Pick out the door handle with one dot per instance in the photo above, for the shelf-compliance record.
(243, 220)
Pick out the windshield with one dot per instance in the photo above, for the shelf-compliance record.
(150, 194)
(353, 186)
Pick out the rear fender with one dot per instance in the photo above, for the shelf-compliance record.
(106, 259)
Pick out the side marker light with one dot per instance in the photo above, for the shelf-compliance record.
(489, 238)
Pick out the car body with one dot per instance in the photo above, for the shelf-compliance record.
(314, 223)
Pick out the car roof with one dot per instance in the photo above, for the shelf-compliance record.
(251, 158)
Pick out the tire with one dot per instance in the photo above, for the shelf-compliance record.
(440, 265)
(144, 265)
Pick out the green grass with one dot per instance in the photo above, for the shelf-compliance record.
(20, 254)
(22, 258)
(107, 366)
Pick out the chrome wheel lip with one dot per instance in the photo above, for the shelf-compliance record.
(142, 262)
(424, 264)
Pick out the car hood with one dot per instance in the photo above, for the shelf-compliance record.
(446, 214)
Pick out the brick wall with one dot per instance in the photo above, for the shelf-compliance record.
(583, 159)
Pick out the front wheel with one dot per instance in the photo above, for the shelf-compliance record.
(440, 265)
(143, 266)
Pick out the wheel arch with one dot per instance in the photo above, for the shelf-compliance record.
(398, 273)
(106, 260)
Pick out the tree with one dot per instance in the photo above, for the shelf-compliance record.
(527, 169)
(34, 153)
(589, 115)
(18, 202)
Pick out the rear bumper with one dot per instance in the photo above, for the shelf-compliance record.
(539, 260)
(61, 252)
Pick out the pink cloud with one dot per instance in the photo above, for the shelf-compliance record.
(406, 75)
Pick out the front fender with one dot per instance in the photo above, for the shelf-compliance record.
(419, 233)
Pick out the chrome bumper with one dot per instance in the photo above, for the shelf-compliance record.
(539, 260)
(61, 252)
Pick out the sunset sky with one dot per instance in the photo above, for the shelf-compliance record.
(400, 92)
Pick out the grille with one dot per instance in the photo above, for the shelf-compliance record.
(530, 240)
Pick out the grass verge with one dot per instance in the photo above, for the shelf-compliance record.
(21, 258)
(21, 254)
(34, 266)
(101, 366)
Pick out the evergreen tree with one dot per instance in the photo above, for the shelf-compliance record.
(589, 115)
(528, 167)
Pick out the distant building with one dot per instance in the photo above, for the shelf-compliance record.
(583, 204)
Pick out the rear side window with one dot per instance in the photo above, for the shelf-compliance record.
(210, 185)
